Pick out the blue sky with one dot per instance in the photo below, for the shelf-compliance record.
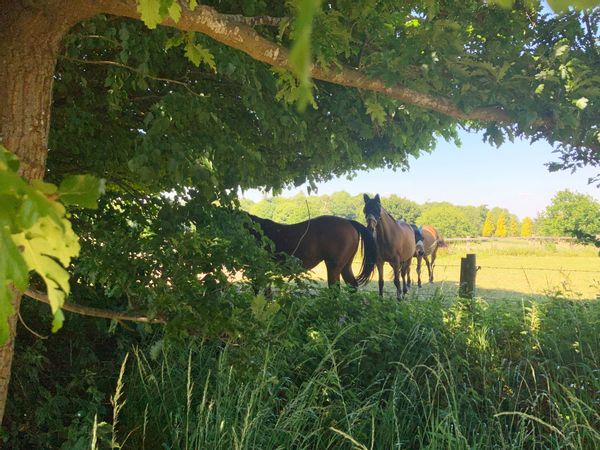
(512, 176)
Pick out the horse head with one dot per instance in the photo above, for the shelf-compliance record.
(420, 251)
(372, 212)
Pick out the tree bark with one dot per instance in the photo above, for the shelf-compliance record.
(30, 36)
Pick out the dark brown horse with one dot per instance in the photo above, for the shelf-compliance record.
(395, 242)
(325, 238)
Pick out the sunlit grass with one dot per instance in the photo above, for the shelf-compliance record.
(511, 268)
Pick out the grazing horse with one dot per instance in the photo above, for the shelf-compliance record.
(325, 238)
(395, 242)
(432, 240)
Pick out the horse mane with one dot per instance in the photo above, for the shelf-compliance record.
(386, 211)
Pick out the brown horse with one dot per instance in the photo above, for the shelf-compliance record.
(395, 242)
(325, 238)
(432, 240)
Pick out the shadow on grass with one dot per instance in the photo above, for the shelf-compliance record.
(449, 289)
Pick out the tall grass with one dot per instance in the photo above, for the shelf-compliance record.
(354, 371)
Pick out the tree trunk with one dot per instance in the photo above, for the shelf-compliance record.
(30, 36)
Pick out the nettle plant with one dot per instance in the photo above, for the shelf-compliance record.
(36, 235)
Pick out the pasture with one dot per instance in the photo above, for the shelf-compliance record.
(510, 268)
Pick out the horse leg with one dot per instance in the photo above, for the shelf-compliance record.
(429, 267)
(419, 263)
(433, 256)
(399, 290)
(405, 269)
(333, 273)
(349, 277)
(380, 272)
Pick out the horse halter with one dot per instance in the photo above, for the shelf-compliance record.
(372, 211)
(372, 221)
(372, 218)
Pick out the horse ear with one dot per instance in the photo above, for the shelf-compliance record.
(366, 198)
(377, 198)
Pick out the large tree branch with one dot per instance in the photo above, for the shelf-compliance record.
(95, 312)
(257, 20)
(229, 30)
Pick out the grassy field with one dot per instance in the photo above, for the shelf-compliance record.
(511, 268)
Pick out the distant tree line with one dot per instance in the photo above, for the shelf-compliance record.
(568, 213)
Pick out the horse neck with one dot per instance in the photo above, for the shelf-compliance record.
(386, 226)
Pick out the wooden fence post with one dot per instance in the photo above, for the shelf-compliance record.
(468, 271)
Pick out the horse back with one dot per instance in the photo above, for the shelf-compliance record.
(323, 238)
(405, 242)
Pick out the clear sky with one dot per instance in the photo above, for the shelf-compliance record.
(513, 176)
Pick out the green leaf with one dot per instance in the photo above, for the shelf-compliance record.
(175, 41)
(175, 11)
(8, 160)
(581, 103)
(193, 4)
(12, 266)
(150, 12)
(81, 190)
(506, 4)
(198, 54)
(48, 249)
(263, 310)
(376, 111)
(300, 58)
(13, 271)
(45, 188)
(6, 310)
(57, 320)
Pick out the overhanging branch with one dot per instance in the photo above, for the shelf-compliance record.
(95, 312)
(229, 30)
(257, 20)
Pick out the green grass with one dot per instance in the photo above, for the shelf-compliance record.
(355, 371)
(512, 268)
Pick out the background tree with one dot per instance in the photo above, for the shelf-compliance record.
(513, 226)
(451, 221)
(343, 206)
(527, 227)
(488, 226)
(402, 208)
(501, 226)
(568, 212)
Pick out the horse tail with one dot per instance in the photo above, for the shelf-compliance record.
(441, 242)
(369, 251)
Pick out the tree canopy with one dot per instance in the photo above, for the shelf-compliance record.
(570, 213)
